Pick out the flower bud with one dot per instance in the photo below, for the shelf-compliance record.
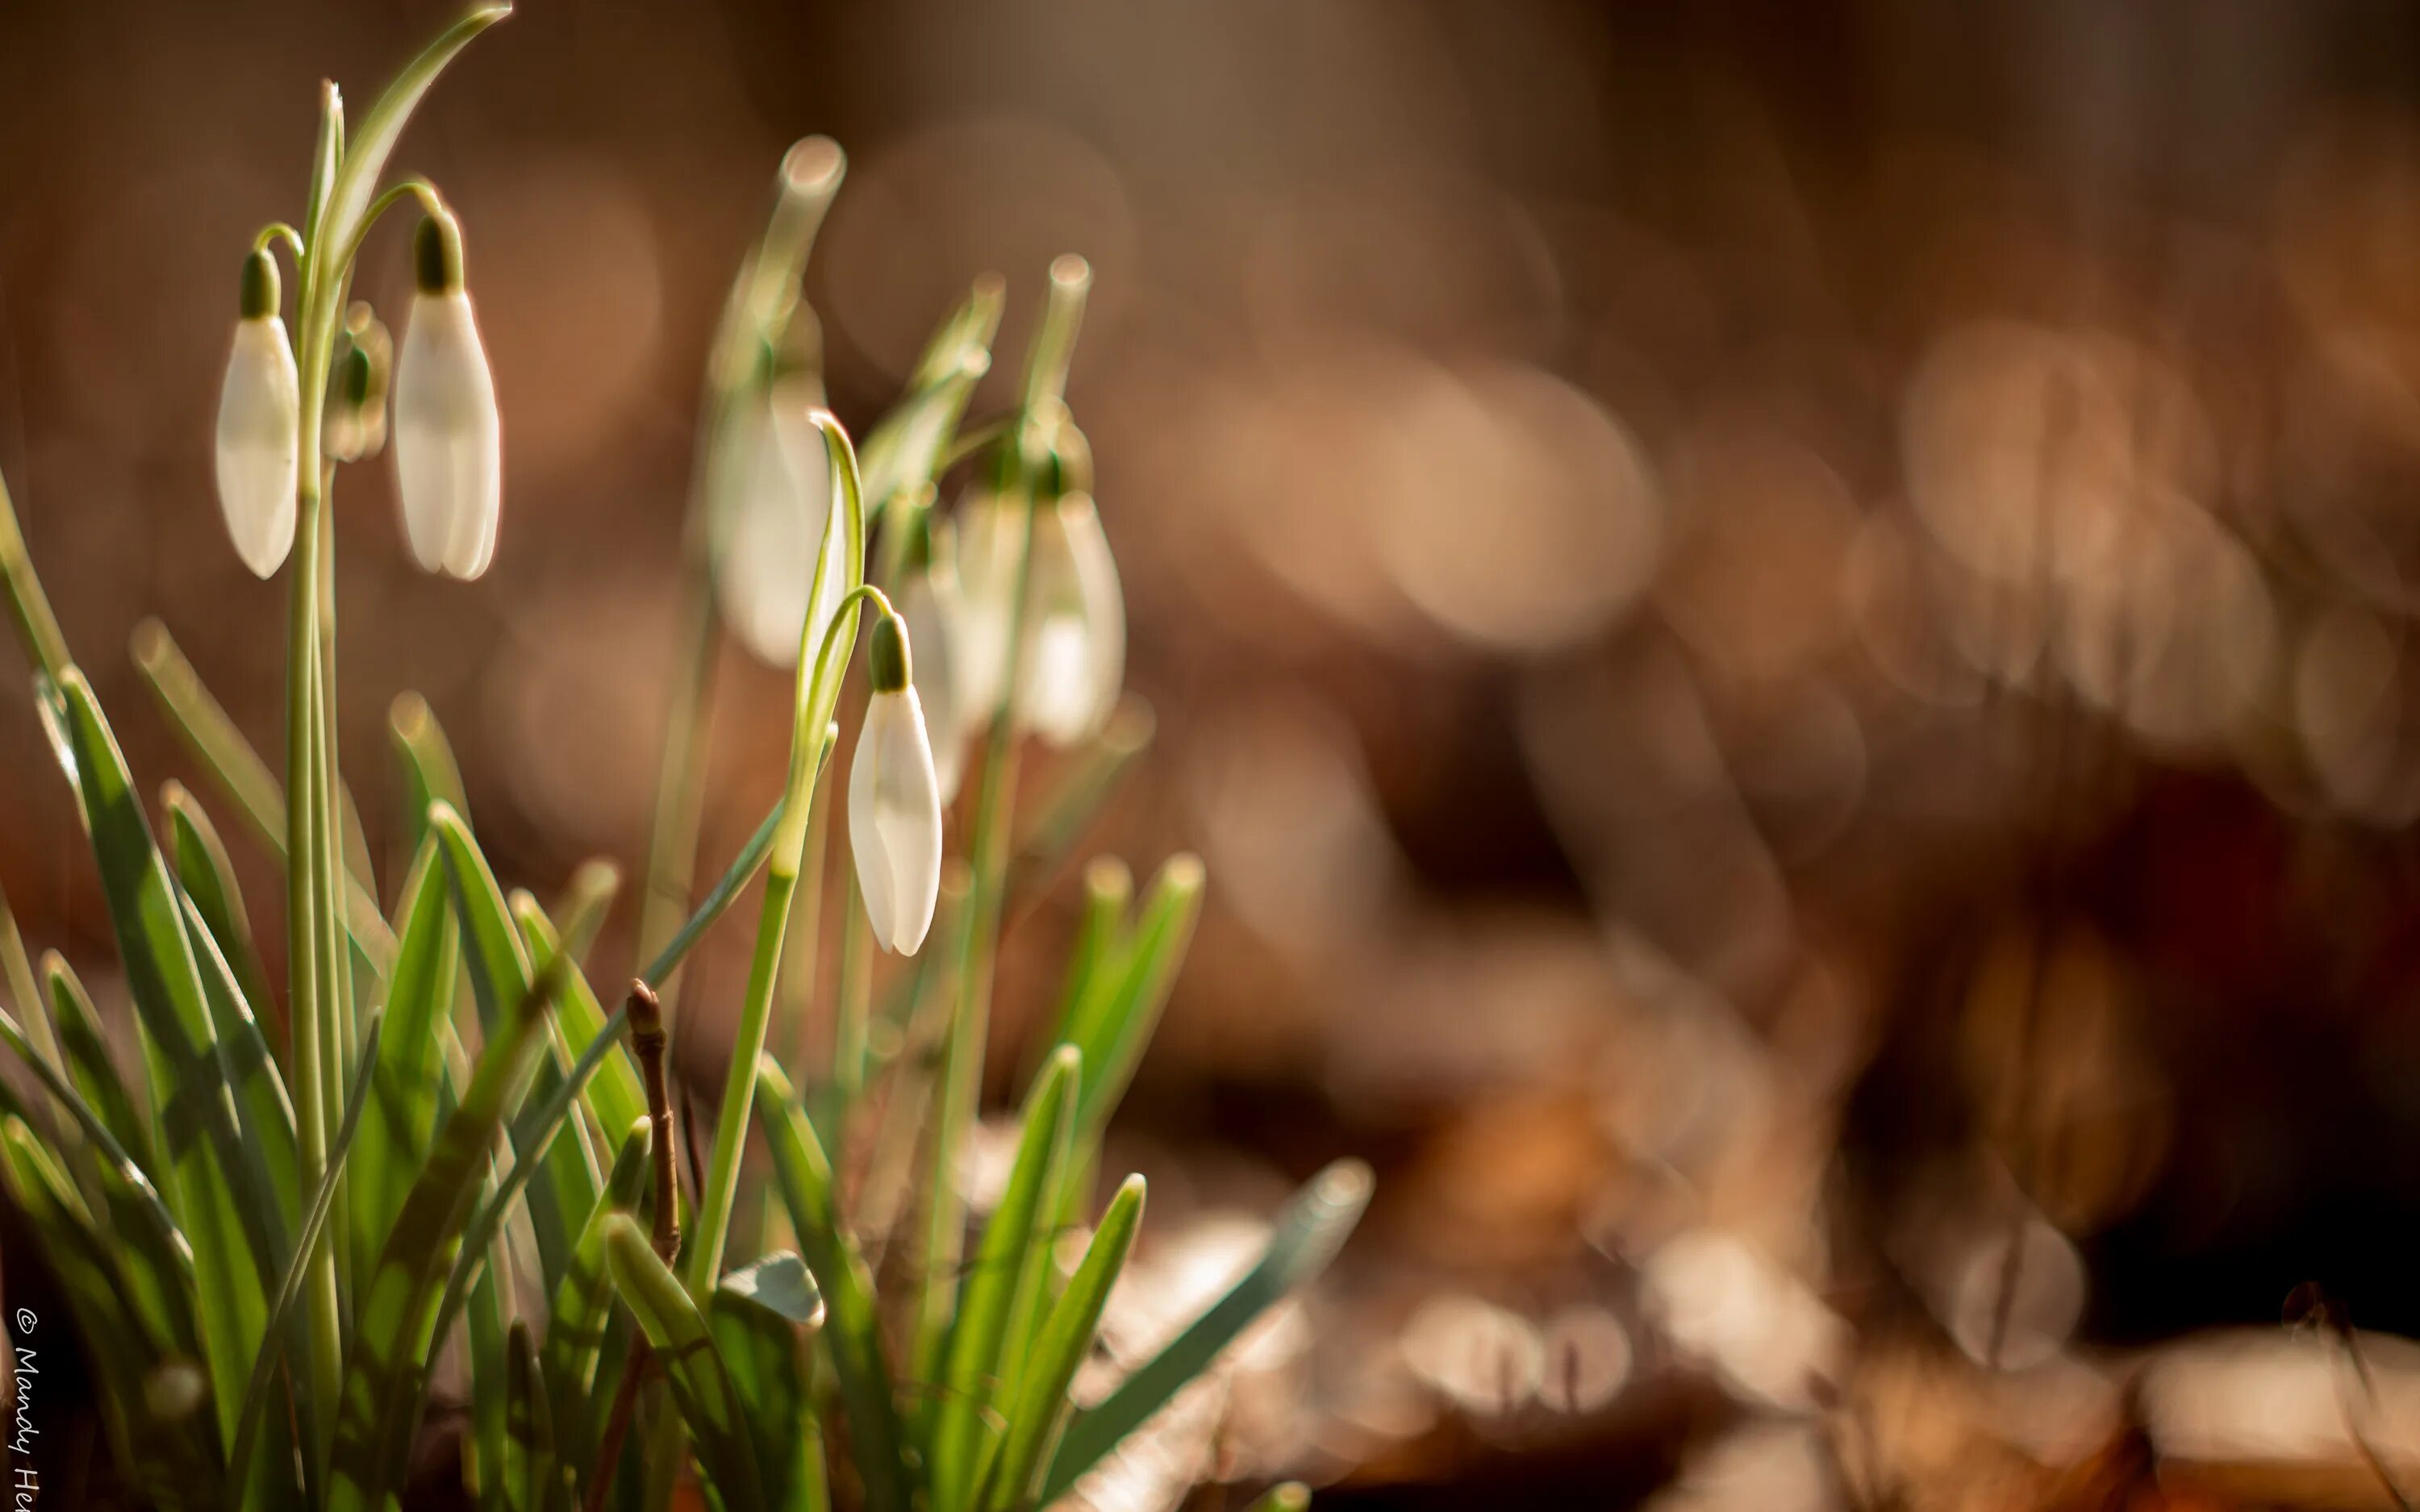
(930, 606)
(895, 801)
(260, 430)
(448, 438)
(1075, 625)
(773, 503)
(356, 426)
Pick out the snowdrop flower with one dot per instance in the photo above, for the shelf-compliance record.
(894, 800)
(448, 441)
(929, 605)
(774, 504)
(1076, 625)
(259, 437)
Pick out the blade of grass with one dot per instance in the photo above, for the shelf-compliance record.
(852, 1330)
(613, 1097)
(1308, 1232)
(386, 1370)
(1015, 1242)
(701, 1381)
(206, 877)
(407, 1077)
(500, 974)
(529, 1427)
(1040, 1413)
(262, 1386)
(760, 1318)
(224, 1217)
(89, 1066)
(1112, 1023)
(577, 1316)
(578, 914)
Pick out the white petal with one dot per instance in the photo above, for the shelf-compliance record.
(987, 548)
(894, 820)
(260, 410)
(1075, 657)
(448, 438)
(929, 606)
(773, 503)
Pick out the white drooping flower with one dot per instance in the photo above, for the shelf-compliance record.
(259, 434)
(772, 495)
(894, 800)
(929, 604)
(1076, 625)
(1075, 650)
(448, 437)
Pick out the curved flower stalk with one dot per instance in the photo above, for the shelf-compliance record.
(448, 438)
(260, 411)
(775, 516)
(895, 799)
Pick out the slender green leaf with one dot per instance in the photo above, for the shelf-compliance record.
(386, 1370)
(364, 158)
(261, 1388)
(576, 1323)
(228, 1220)
(1308, 1232)
(701, 1381)
(613, 1097)
(578, 914)
(528, 1470)
(430, 773)
(1014, 1477)
(852, 1331)
(1016, 1242)
(566, 1186)
(89, 1123)
(487, 1323)
(759, 1316)
(1114, 1022)
(265, 1115)
(208, 878)
(409, 1075)
(1285, 1496)
(89, 1066)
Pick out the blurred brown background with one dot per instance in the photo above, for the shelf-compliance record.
(1787, 628)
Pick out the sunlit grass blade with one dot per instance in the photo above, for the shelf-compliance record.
(852, 1331)
(701, 1381)
(1084, 788)
(577, 1316)
(385, 1375)
(89, 1124)
(565, 1184)
(760, 1318)
(261, 1389)
(1285, 1496)
(1113, 1021)
(86, 1049)
(612, 1095)
(25, 993)
(240, 774)
(1308, 1232)
(207, 877)
(227, 1222)
(407, 1077)
(430, 773)
(1015, 1242)
(211, 734)
(578, 914)
(1040, 1411)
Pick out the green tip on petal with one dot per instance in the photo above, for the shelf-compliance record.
(261, 285)
(887, 653)
(436, 254)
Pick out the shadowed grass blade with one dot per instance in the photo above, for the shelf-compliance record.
(852, 1333)
(386, 1370)
(760, 1317)
(577, 1319)
(208, 878)
(1040, 1413)
(529, 1427)
(1308, 1232)
(409, 1074)
(701, 1381)
(565, 1184)
(85, 1050)
(262, 1386)
(612, 1096)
